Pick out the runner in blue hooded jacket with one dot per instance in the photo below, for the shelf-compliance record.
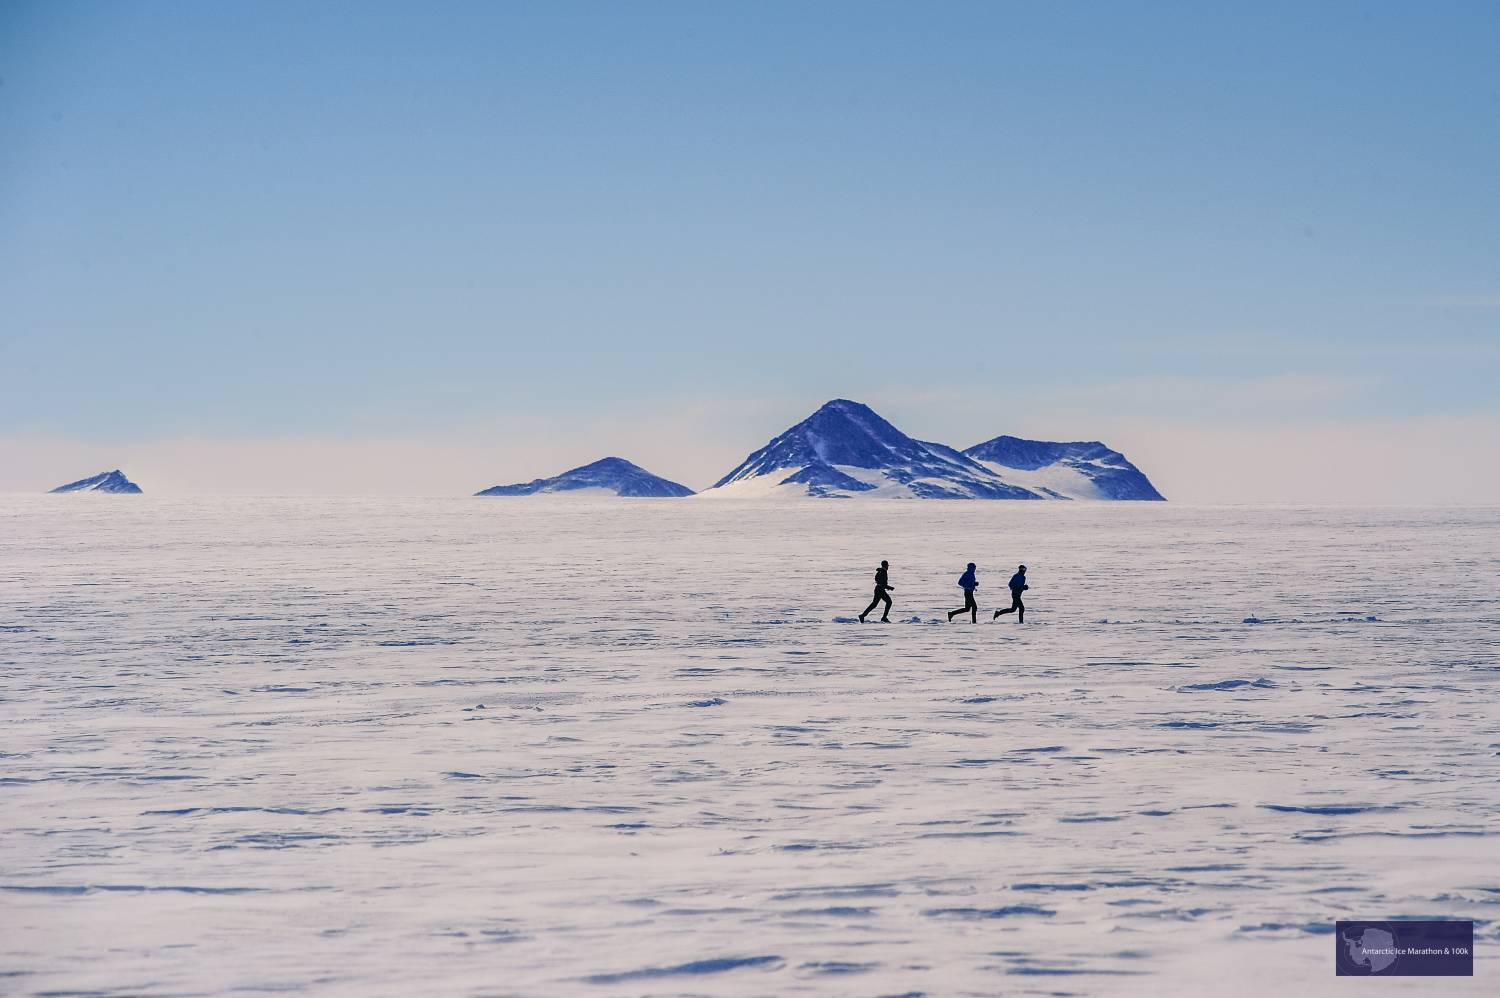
(968, 583)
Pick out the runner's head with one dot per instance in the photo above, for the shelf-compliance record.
(972, 566)
(1023, 569)
(885, 564)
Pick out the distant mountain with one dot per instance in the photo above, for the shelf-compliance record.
(106, 481)
(611, 476)
(1081, 470)
(845, 450)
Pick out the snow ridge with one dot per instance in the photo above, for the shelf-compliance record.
(1094, 467)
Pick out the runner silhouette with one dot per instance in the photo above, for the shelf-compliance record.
(968, 583)
(882, 587)
(1017, 587)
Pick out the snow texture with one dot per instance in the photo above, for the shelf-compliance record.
(610, 476)
(399, 747)
(106, 481)
(845, 450)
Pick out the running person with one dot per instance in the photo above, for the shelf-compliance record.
(1017, 587)
(968, 584)
(882, 588)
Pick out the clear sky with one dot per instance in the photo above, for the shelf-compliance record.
(430, 247)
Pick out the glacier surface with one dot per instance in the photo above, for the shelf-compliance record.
(362, 746)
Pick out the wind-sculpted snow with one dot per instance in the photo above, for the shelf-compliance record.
(450, 747)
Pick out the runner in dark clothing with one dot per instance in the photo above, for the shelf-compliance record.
(1017, 587)
(968, 584)
(882, 587)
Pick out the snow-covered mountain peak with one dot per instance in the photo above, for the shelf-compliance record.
(1079, 469)
(106, 481)
(845, 449)
(607, 476)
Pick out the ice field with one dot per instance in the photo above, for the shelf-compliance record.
(607, 747)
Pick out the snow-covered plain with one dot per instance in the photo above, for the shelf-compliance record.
(242, 746)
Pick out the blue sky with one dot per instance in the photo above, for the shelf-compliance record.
(532, 233)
